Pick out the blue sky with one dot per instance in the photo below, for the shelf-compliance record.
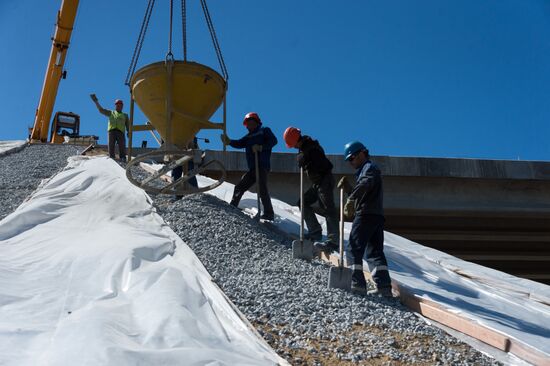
(408, 78)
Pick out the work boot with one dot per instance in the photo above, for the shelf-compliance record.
(358, 289)
(269, 216)
(358, 282)
(381, 291)
(326, 246)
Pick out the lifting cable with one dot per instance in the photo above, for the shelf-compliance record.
(184, 28)
(214, 39)
(139, 43)
(169, 55)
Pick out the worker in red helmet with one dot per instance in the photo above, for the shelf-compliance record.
(117, 124)
(311, 157)
(258, 140)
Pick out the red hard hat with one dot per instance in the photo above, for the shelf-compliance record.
(119, 101)
(252, 115)
(292, 136)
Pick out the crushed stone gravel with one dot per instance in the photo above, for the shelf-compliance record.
(23, 171)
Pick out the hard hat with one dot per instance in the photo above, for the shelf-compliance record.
(252, 115)
(119, 101)
(353, 148)
(292, 136)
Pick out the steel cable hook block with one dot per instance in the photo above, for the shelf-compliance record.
(157, 182)
(169, 59)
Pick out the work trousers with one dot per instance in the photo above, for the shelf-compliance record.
(322, 193)
(367, 233)
(177, 173)
(117, 136)
(247, 180)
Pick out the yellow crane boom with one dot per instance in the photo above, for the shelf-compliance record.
(62, 36)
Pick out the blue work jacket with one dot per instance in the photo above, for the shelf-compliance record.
(368, 192)
(260, 136)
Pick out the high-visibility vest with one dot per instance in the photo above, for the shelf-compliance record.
(117, 121)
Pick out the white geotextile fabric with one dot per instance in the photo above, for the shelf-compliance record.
(91, 275)
(7, 147)
(517, 307)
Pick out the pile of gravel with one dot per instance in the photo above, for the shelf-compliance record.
(287, 300)
(23, 171)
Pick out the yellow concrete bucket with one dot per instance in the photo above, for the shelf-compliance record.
(192, 92)
(197, 91)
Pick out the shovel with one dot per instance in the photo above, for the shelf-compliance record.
(257, 165)
(340, 277)
(302, 249)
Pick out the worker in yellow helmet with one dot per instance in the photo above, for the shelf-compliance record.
(117, 125)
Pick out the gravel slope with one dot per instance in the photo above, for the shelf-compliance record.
(22, 172)
(287, 300)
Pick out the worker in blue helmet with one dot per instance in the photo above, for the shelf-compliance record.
(364, 207)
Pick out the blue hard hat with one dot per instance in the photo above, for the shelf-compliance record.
(353, 148)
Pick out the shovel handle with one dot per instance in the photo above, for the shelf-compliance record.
(257, 166)
(341, 260)
(301, 204)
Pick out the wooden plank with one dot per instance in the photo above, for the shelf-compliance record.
(527, 353)
(442, 315)
(149, 169)
(434, 311)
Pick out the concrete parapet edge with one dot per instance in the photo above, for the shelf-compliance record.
(407, 166)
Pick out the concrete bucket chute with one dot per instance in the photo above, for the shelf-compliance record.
(178, 97)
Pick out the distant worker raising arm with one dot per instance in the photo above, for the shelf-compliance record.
(117, 125)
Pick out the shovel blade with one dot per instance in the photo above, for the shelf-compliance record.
(340, 277)
(302, 250)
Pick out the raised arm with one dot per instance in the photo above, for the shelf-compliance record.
(101, 110)
(240, 143)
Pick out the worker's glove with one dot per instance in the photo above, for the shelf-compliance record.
(94, 98)
(225, 139)
(344, 184)
(349, 210)
(257, 148)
